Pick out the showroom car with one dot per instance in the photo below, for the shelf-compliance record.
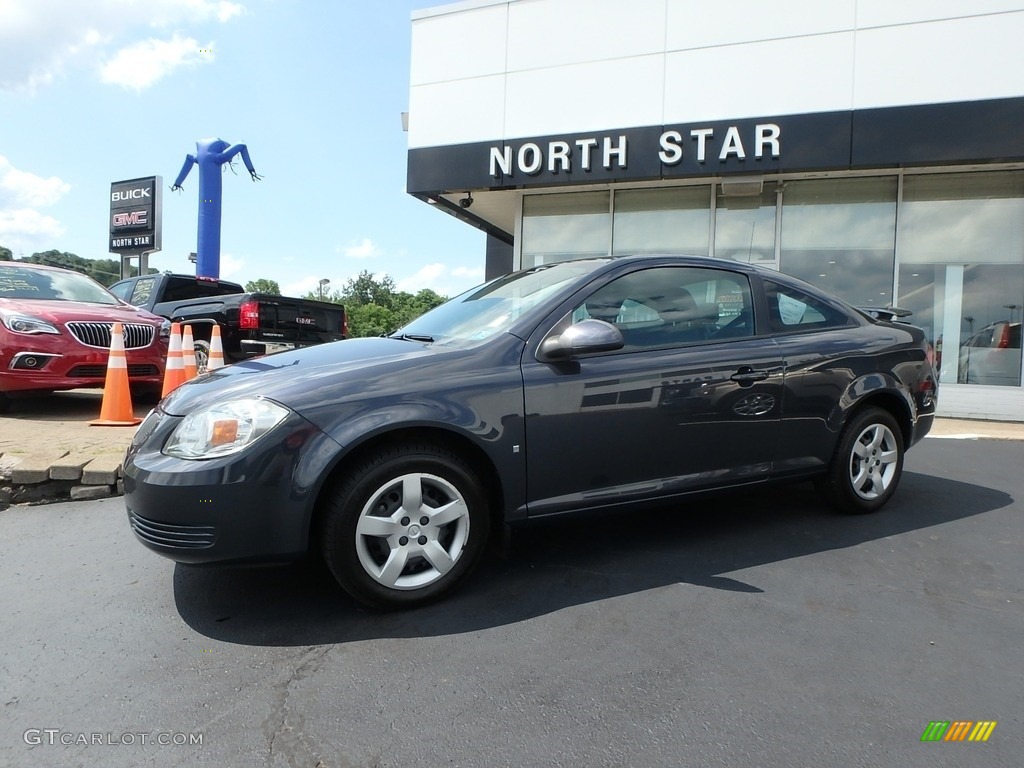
(598, 384)
(55, 329)
(991, 356)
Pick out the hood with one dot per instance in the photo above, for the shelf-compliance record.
(294, 377)
(60, 312)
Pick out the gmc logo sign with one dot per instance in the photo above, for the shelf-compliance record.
(131, 219)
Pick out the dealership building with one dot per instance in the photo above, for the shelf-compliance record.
(873, 148)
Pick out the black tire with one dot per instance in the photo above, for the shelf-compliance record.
(387, 558)
(867, 464)
(5, 403)
(146, 396)
(202, 353)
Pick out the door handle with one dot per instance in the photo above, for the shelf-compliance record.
(746, 376)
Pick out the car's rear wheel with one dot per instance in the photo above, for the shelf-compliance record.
(405, 526)
(202, 352)
(867, 464)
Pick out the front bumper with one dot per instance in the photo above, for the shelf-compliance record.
(253, 506)
(31, 365)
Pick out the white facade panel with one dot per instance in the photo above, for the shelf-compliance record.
(617, 93)
(810, 74)
(962, 401)
(692, 24)
(459, 45)
(929, 63)
(458, 112)
(553, 34)
(879, 13)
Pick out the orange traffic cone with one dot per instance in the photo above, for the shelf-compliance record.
(188, 353)
(174, 373)
(116, 410)
(216, 358)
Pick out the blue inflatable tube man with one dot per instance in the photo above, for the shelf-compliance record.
(210, 155)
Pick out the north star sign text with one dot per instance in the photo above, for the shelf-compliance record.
(531, 157)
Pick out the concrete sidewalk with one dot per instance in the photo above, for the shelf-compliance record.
(49, 452)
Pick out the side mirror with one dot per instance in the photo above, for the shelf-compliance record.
(582, 338)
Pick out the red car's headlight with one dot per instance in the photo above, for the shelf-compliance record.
(27, 324)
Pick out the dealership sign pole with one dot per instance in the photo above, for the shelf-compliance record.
(135, 220)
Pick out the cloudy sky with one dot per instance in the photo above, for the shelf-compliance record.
(95, 91)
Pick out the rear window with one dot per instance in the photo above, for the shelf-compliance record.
(790, 309)
(184, 288)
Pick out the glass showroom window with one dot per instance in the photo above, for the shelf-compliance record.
(745, 227)
(565, 226)
(654, 221)
(840, 235)
(962, 271)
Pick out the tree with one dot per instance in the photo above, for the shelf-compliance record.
(366, 289)
(263, 286)
(408, 307)
(374, 307)
(369, 320)
(106, 272)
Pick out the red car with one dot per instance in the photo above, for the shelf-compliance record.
(55, 333)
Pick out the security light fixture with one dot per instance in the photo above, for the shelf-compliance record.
(742, 186)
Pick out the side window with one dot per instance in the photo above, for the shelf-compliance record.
(143, 288)
(120, 290)
(669, 306)
(793, 310)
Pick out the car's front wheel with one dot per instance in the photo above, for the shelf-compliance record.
(405, 526)
(867, 464)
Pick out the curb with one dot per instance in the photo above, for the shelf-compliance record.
(61, 476)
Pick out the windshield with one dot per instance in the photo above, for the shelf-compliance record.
(493, 307)
(50, 285)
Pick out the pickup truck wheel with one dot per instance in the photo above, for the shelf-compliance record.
(407, 525)
(202, 351)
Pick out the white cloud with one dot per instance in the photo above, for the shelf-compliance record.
(226, 10)
(364, 249)
(230, 266)
(302, 286)
(474, 273)
(22, 227)
(21, 188)
(26, 230)
(41, 39)
(139, 66)
(441, 278)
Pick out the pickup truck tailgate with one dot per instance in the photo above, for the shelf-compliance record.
(305, 322)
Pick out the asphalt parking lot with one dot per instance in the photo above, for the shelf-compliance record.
(754, 629)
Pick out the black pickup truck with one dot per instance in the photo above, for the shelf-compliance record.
(250, 323)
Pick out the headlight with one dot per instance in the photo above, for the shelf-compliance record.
(165, 329)
(27, 324)
(226, 428)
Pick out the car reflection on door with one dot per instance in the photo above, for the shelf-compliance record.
(648, 422)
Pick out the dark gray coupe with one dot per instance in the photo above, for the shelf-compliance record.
(574, 386)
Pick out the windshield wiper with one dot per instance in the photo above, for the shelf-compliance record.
(414, 337)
